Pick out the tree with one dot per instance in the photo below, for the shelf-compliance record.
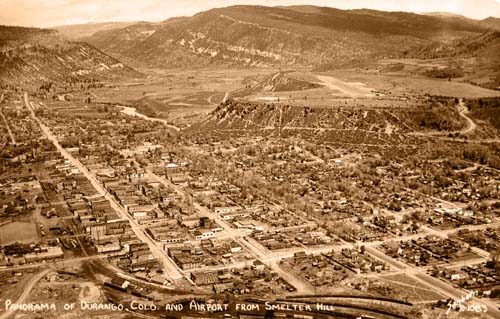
(494, 261)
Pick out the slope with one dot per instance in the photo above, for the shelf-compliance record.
(270, 36)
(33, 55)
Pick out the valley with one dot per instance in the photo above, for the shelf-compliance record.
(260, 161)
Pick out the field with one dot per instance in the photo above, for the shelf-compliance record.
(13, 283)
(184, 97)
(413, 290)
(18, 232)
(179, 96)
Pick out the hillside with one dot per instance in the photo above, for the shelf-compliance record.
(78, 31)
(281, 81)
(265, 36)
(29, 55)
(477, 55)
(492, 23)
(332, 124)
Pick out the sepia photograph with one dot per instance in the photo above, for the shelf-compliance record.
(249, 159)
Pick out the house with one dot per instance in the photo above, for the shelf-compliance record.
(226, 209)
(455, 276)
(179, 178)
(223, 287)
(258, 265)
(233, 215)
(235, 249)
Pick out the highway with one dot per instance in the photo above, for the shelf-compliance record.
(157, 251)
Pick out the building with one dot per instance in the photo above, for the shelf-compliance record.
(206, 234)
(45, 253)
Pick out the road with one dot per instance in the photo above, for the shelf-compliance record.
(271, 258)
(156, 250)
(446, 232)
(55, 263)
(442, 287)
(8, 128)
(462, 110)
(255, 249)
(133, 112)
(26, 292)
(7, 123)
(354, 90)
(469, 128)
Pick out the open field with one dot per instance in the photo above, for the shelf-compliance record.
(179, 96)
(407, 84)
(368, 87)
(407, 74)
(18, 232)
(412, 289)
(352, 89)
(185, 97)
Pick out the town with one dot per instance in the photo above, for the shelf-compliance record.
(271, 192)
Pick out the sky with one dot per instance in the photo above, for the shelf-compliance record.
(47, 13)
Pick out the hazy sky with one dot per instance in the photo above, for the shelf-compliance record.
(45, 13)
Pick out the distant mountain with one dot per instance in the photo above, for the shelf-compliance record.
(78, 31)
(478, 56)
(492, 23)
(270, 36)
(486, 45)
(29, 54)
(445, 14)
(488, 23)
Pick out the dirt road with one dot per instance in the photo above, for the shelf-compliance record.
(354, 90)
(462, 110)
(133, 112)
(26, 292)
(13, 140)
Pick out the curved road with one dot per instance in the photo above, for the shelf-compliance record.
(462, 110)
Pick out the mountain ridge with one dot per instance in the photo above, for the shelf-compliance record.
(29, 55)
(271, 36)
